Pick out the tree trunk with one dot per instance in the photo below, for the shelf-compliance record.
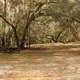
(24, 35)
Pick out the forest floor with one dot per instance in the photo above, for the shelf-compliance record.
(55, 61)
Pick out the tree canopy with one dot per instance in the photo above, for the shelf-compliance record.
(23, 22)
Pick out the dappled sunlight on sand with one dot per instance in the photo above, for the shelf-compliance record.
(56, 63)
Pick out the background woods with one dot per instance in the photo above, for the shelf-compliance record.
(25, 22)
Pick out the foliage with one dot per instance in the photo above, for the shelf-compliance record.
(38, 21)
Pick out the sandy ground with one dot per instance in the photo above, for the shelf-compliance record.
(59, 62)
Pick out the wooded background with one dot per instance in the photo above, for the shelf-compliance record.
(25, 22)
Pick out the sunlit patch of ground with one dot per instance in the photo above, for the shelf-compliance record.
(56, 62)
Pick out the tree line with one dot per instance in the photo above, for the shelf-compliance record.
(24, 22)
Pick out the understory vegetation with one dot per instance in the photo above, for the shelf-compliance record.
(26, 22)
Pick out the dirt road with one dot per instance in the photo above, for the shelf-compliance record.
(62, 63)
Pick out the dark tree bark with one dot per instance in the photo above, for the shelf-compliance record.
(14, 30)
(31, 17)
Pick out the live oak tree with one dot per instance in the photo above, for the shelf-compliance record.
(32, 12)
(20, 14)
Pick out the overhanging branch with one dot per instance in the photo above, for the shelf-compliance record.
(13, 28)
(7, 21)
(76, 19)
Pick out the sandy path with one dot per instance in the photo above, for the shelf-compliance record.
(41, 65)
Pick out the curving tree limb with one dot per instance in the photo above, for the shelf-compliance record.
(13, 28)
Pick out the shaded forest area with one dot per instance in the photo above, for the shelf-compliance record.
(26, 22)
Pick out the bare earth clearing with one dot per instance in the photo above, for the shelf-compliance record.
(47, 62)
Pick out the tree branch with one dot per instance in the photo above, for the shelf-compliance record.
(7, 21)
(39, 5)
(13, 28)
(76, 19)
